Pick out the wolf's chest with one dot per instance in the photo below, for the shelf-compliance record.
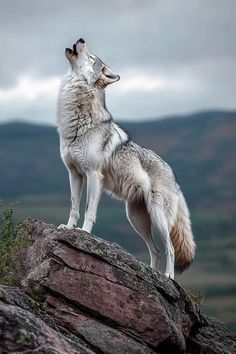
(83, 154)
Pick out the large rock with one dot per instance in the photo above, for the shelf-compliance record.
(111, 302)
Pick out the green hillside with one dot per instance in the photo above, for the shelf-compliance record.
(201, 150)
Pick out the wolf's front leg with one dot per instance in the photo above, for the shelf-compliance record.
(94, 188)
(76, 187)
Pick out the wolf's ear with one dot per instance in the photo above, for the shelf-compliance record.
(107, 77)
(110, 77)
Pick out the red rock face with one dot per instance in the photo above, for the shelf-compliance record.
(112, 302)
(107, 339)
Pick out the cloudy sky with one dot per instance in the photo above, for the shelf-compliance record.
(173, 56)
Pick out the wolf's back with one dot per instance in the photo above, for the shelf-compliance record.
(182, 237)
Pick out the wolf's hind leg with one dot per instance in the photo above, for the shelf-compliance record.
(139, 218)
(159, 221)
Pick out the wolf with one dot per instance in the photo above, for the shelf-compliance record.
(96, 150)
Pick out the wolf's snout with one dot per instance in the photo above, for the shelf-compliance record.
(81, 40)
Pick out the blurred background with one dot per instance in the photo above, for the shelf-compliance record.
(177, 96)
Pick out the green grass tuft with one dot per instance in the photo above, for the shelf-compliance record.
(14, 242)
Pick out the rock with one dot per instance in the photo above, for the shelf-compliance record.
(98, 334)
(95, 295)
(21, 330)
(211, 339)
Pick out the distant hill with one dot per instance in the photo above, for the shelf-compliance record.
(201, 150)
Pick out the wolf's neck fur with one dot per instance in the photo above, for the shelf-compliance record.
(80, 107)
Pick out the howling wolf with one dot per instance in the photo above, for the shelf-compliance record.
(95, 149)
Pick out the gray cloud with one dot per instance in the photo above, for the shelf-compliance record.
(193, 41)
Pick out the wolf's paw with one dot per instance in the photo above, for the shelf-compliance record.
(65, 227)
(170, 275)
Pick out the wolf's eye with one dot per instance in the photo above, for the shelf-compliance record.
(92, 58)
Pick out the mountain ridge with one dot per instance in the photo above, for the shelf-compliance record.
(194, 114)
(199, 148)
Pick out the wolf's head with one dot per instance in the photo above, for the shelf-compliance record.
(88, 67)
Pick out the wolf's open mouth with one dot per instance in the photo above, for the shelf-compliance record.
(74, 50)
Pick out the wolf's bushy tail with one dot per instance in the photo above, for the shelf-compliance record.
(182, 237)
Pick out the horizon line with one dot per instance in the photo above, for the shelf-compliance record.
(129, 120)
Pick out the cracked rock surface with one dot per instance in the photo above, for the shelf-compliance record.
(93, 297)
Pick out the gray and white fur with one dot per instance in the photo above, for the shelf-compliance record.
(96, 150)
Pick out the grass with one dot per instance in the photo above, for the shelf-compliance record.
(13, 246)
(197, 296)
